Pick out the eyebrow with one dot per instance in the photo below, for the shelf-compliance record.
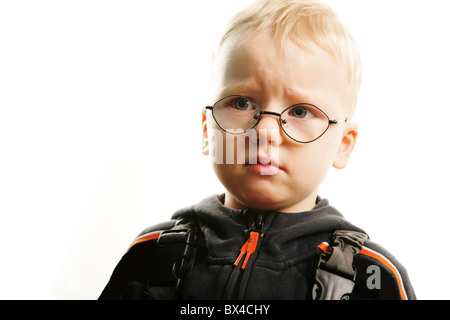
(240, 89)
(250, 90)
(300, 96)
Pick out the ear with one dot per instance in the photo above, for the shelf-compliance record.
(346, 146)
(205, 142)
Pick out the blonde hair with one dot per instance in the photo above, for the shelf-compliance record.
(305, 22)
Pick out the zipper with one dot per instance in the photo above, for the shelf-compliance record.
(249, 247)
(236, 285)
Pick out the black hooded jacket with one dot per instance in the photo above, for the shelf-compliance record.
(282, 266)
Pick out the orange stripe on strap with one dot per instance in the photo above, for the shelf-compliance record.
(324, 246)
(152, 236)
(370, 253)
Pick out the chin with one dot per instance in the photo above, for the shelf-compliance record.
(263, 199)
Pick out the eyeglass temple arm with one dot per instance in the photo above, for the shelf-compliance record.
(337, 121)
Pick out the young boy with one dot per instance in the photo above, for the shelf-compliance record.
(285, 82)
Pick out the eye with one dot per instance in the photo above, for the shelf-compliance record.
(300, 112)
(241, 104)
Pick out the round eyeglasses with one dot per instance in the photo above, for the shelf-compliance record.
(303, 122)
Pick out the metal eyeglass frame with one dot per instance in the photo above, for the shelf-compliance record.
(281, 121)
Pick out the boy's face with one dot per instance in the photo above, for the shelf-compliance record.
(252, 66)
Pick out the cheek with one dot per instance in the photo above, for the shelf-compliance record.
(308, 164)
(216, 142)
(229, 149)
(223, 156)
(232, 179)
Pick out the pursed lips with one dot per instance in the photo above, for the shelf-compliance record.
(262, 164)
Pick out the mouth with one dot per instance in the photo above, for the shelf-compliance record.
(263, 165)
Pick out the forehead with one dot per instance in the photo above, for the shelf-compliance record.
(255, 64)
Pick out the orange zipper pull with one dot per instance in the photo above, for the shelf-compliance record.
(243, 251)
(247, 249)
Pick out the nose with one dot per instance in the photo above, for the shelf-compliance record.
(268, 129)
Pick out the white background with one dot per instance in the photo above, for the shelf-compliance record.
(100, 134)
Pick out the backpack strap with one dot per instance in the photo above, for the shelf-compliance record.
(174, 256)
(335, 273)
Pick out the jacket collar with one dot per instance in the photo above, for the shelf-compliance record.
(286, 235)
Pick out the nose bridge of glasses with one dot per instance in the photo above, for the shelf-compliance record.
(271, 113)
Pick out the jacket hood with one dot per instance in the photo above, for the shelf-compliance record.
(226, 229)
